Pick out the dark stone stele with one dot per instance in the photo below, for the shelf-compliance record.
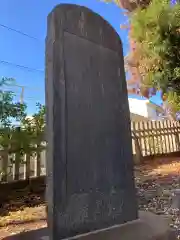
(90, 168)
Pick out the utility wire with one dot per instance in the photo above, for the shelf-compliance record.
(19, 32)
(18, 94)
(28, 99)
(21, 66)
(21, 95)
(22, 86)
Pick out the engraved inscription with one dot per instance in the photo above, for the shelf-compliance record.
(104, 121)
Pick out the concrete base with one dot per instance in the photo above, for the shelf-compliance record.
(148, 227)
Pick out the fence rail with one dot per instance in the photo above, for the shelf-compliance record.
(153, 138)
(14, 167)
(149, 138)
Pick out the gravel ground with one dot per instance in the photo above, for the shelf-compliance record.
(161, 201)
(158, 190)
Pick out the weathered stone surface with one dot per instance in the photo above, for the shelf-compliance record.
(175, 206)
(90, 167)
(144, 228)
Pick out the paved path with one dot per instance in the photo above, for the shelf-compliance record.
(39, 234)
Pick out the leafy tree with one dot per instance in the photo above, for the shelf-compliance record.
(28, 137)
(35, 125)
(156, 30)
(34, 129)
(31, 130)
(9, 109)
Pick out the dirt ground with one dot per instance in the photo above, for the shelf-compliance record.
(154, 182)
(26, 219)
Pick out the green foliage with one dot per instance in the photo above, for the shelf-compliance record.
(28, 137)
(34, 128)
(8, 109)
(156, 30)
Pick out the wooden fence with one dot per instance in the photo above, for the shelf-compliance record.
(154, 138)
(149, 138)
(14, 167)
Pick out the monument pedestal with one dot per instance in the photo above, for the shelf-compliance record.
(148, 227)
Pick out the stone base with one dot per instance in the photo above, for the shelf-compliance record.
(148, 227)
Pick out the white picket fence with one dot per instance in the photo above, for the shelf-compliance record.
(149, 138)
(12, 168)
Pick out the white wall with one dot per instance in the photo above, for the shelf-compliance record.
(137, 106)
(142, 108)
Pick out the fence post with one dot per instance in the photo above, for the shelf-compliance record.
(138, 155)
(27, 166)
(38, 161)
(153, 135)
(142, 125)
(169, 136)
(166, 136)
(172, 126)
(160, 134)
(177, 136)
(4, 165)
(16, 166)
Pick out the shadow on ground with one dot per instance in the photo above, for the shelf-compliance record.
(17, 195)
(31, 235)
(19, 201)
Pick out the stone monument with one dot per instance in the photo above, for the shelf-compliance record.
(89, 160)
(90, 165)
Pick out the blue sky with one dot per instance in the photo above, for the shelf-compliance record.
(30, 17)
